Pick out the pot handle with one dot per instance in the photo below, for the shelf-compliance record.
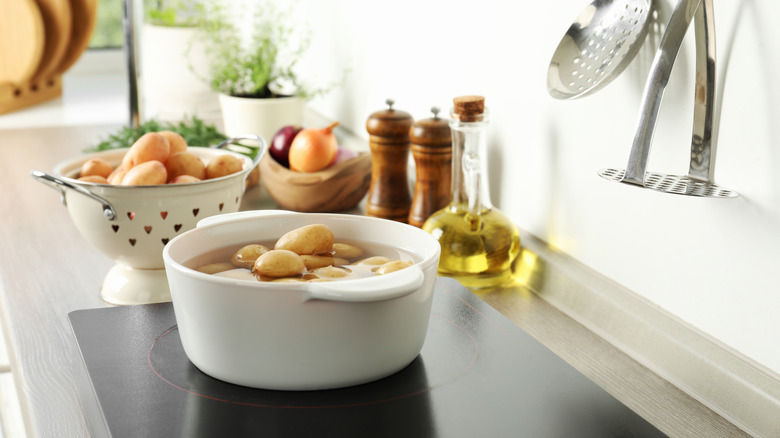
(225, 217)
(235, 140)
(393, 285)
(108, 210)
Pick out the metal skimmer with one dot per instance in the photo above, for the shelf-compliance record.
(598, 46)
(698, 182)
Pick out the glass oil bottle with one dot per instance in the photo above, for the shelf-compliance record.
(478, 242)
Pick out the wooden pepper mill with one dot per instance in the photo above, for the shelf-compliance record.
(388, 195)
(432, 150)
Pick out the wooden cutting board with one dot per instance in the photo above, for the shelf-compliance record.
(58, 23)
(39, 41)
(21, 41)
(84, 14)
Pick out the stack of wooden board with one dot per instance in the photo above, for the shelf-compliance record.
(39, 41)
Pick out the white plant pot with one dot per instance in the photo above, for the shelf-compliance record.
(169, 89)
(263, 117)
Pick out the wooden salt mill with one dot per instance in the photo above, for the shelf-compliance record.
(432, 150)
(388, 195)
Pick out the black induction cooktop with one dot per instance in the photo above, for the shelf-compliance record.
(478, 375)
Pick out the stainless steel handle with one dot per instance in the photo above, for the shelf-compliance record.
(128, 22)
(52, 181)
(654, 89)
(703, 141)
(235, 140)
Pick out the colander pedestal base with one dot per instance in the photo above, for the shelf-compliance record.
(127, 285)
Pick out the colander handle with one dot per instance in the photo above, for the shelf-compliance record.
(235, 140)
(52, 181)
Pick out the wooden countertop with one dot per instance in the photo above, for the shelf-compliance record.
(47, 270)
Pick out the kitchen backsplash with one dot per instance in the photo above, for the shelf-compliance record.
(714, 263)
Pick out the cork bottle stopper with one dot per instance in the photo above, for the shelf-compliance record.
(389, 122)
(432, 132)
(469, 108)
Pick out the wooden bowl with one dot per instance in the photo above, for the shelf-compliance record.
(338, 188)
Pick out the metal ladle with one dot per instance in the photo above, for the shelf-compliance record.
(598, 46)
(698, 182)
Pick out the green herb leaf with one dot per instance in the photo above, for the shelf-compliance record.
(173, 13)
(194, 130)
(260, 65)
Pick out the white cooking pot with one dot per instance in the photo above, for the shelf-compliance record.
(301, 336)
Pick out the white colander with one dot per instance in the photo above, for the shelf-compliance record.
(132, 224)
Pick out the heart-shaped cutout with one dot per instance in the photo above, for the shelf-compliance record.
(195, 211)
(115, 228)
(132, 242)
(221, 204)
(165, 240)
(148, 229)
(163, 214)
(177, 227)
(130, 215)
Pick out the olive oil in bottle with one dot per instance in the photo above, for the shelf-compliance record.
(478, 242)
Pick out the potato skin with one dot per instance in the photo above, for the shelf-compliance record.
(246, 256)
(320, 261)
(183, 179)
(96, 166)
(146, 174)
(163, 147)
(317, 261)
(185, 163)
(375, 261)
(330, 272)
(346, 251)
(117, 175)
(307, 240)
(278, 263)
(176, 141)
(94, 179)
(395, 265)
(150, 147)
(223, 165)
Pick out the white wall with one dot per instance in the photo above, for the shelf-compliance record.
(715, 263)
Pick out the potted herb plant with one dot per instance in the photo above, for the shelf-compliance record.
(169, 54)
(252, 51)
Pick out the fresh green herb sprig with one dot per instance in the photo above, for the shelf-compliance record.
(172, 13)
(194, 130)
(197, 132)
(259, 65)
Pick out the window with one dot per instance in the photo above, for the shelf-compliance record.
(109, 29)
(109, 32)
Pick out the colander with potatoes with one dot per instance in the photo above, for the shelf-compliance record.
(130, 202)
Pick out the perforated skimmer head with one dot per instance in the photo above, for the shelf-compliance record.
(597, 47)
(675, 184)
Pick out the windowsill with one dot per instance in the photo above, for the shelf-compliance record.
(94, 92)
